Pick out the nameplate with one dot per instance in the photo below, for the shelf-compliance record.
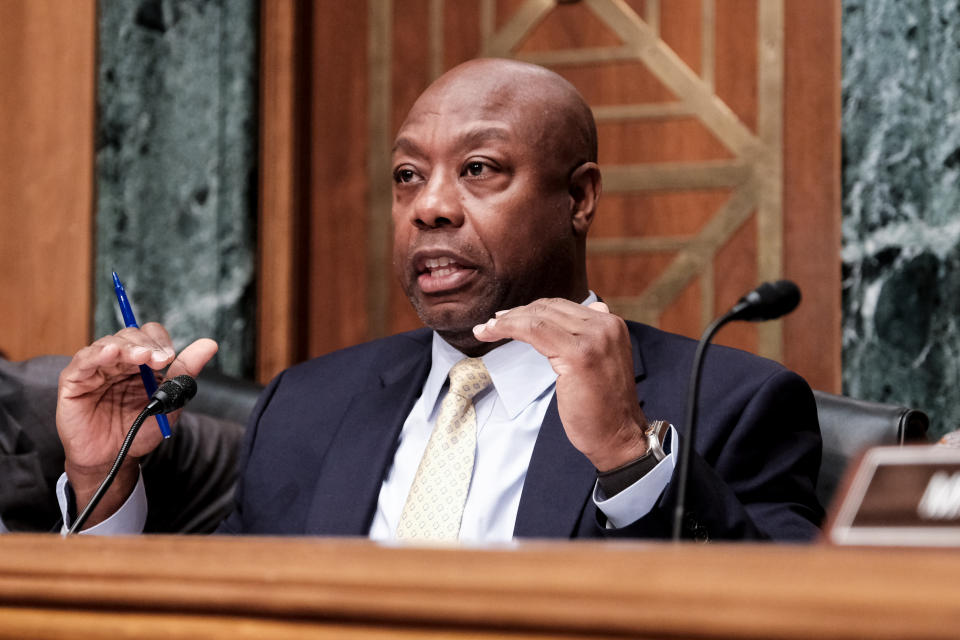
(901, 496)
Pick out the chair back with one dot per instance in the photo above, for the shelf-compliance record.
(849, 426)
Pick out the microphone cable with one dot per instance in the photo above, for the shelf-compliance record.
(171, 395)
(112, 474)
(767, 302)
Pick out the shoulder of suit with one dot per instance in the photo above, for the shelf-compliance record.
(373, 355)
(653, 340)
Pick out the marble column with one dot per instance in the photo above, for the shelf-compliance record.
(176, 169)
(901, 208)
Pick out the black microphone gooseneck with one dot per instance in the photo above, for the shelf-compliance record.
(768, 301)
(171, 395)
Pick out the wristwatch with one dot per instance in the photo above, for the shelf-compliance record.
(655, 432)
(616, 480)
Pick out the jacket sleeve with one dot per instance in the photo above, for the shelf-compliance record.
(753, 471)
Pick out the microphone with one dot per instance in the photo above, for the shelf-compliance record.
(172, 395)
(769, 301)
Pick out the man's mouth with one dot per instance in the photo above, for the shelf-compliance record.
(442, 274)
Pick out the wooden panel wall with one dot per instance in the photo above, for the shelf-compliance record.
(47, 52)
(719, 138)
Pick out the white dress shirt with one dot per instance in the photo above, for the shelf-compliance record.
(509, 414)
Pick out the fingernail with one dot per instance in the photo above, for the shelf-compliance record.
(500, 313)
(480, 328)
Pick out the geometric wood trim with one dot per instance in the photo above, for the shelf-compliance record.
(622, 112)
(769, 168)
(715, 174)
(708, 9)
(695, 256)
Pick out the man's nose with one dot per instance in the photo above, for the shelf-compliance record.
(438, 203)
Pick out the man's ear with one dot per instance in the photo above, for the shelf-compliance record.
(585, 187)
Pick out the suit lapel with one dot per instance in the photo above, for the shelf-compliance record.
(353, 468)
(560, 479)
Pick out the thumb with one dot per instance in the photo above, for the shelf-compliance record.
(599, 306)
(193, 358)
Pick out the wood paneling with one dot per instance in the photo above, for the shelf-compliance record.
(47, 53)
(812, 190)
(238, 587)
(280, 326)
(712, 144)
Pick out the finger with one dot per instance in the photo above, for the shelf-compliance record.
(599, 306)
(193, 358)
(561, 310)
(118, 355)
(104, 359)
(154, 337)
(548, 327)
(541, 315)
(158, 333)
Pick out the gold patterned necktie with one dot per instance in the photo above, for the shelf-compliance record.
(435, 503)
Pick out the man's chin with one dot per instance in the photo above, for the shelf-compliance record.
(451, 314)
(453, 323)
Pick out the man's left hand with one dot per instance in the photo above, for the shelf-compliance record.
(589, 349)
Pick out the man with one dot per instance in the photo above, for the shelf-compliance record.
(495, 187)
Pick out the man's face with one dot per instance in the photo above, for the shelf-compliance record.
(481, 212)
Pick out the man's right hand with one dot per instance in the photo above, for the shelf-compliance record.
(100, 395)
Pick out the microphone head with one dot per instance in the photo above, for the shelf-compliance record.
(173, 394)
(768, 301)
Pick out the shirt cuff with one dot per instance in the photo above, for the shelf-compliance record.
(129, 519)
(638, 499)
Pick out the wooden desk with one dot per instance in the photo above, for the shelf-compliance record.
(189, 587)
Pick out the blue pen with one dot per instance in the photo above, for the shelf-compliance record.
(146, 373)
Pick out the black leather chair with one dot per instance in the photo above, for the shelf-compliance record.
(190, 478)
(849, 426)
(225, 397)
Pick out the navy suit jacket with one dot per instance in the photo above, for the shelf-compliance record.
(324, 433)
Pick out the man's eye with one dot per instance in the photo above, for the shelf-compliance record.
(403, 175)
(474, 168)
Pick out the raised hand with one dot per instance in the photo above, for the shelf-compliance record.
(589, 349)
(100, 394)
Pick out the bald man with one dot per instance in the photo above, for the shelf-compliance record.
(563, 427)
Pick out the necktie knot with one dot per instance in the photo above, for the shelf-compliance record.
(469, 377)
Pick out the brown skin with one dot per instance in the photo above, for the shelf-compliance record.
(495, 187)
(491, 193)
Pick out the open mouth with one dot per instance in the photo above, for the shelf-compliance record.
(442, 274)
(440, 267)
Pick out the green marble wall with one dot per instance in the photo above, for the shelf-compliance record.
(901, 208)
(176, 173)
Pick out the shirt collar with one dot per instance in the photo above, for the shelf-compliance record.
(520, 373)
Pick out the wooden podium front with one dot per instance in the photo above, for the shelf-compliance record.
(224, 587)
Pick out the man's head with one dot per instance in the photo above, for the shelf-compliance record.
(495, 186)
